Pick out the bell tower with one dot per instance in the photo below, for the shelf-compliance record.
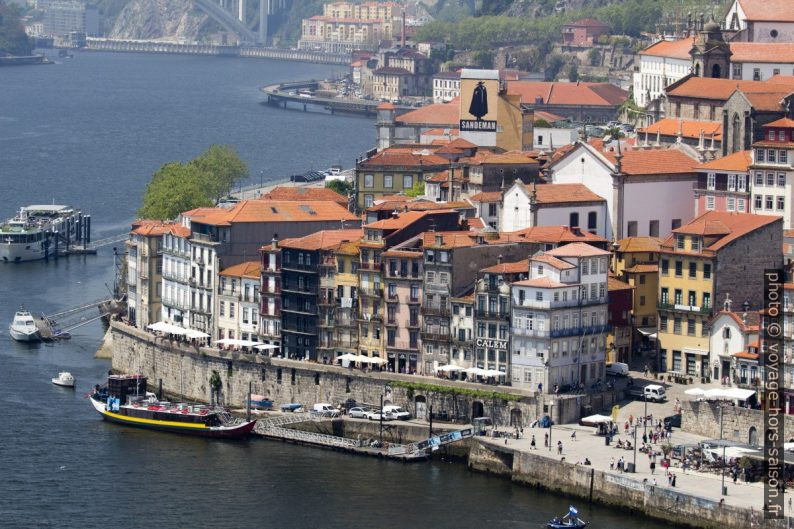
(711, 55)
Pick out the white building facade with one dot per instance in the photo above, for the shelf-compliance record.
(560, 320)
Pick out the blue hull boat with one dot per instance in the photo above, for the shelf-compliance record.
(570, 521)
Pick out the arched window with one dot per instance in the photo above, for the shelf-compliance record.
(752, 438)
(697, 70)
(716, 71)
(736, 133)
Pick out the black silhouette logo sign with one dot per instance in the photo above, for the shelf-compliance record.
(479, 109)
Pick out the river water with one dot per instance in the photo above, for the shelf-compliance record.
(89, 132)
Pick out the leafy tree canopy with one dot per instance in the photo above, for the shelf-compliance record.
(178, 187)
(417, 190)
(13, 39)
(343, 187)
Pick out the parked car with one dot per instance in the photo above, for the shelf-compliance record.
(358, 412)
(618, 369)
(673, 421)
(397, 412)
(326, 410)
(375, 415)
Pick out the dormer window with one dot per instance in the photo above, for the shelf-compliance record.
(771, 135)
(679, 243)
(695, 244)
(781, 135)
(540, 270)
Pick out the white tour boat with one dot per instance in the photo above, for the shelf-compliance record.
(34, 232)
(64, 379)
(23, 328)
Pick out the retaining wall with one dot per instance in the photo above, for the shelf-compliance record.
(703, 418)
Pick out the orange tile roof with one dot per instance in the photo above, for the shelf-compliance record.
(788, 233)
(402, 220)
(675, 49)
(402, 253)
(247, 269)
(157, 228)
(418, 205)
(476, 223)
(565, 93)
(487, 196)
(772, 100)
(746, 355)
(768, 10)
(323, 240)
(548, 116)
(642, 268)
(303, 194)
(564, 193)
(736, 162)
(753, 320)
(385, 106)
(729, 225)
(688, 128)
(653, 161)
(782, 122)
(721, 89)
(405, 157)
(463, 239)
(615, 284)
(553, 261)
(435, 114)
(774, 52)
(540, 282)
(557, 235)
(639, 244)
(515, 267)
(271, 211)
(509, 157)
(576, 249)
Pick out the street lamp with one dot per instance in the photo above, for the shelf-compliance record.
(551, 421)
(722, 412)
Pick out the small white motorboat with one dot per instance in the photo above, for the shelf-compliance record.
(23, 328)
(64, 379)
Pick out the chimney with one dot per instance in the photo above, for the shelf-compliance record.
(576, 231)
(499, 259)
(274, 243)
(439, 240)
(479, 239)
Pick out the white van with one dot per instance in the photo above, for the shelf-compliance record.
(397, 412)
(326, 410)
(654, 393)
(618, 369)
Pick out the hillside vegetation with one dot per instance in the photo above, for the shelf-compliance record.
(13, 40)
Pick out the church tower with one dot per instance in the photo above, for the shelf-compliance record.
(711, 55)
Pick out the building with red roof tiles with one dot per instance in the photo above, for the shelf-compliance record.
(668, 131)
(584, 32)
(576, 101)
(636, 262)
(714, 257)
(723, 184)
(346, 26)
(524, 206)
(771, 171)
(238, 303)
(399, 228)
(731, 332)
(553, 236)
(304, 194)
(625, 178)
(761, 20)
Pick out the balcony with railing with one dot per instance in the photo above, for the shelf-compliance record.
(198, 308)
(170, 275)
(432, 309)
(297, 289)
(209, 238)
(369, 266)
(402, 274)
(176, 252)
(580, 331)
(402, 345)
(562, 304)
(173, 303)
(373, 291)
(666, 305)
(369, 316)
(492, 314)
(435, 336)
(311, 268)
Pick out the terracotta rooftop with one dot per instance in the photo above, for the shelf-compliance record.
(271, 211)
(735, 162)
(770, 101)
(639, 244)
(405, 157)
(689, 129)
(721, 89)
(418, 205)
(615, 284)
(727, 226)
(782, 122)
(303, 194)
(476, 223)
(508, 158)
(248, 269)
(639, 162)
(463, 239)
(557, 235)
(516, 267)
(564, 193)
(435, 114)
(391, 70)
(385, 106)
(487, 196)
(753, 320)
(540, 282)
(768, 10)
(402, 253)
(553, 261)
(156, 228)
(576, 249)
(548, 116)
(567, 93)
(675, 49)
(402, 220)
(322, 240)
(774, 52)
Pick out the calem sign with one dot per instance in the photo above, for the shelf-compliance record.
(479, 94)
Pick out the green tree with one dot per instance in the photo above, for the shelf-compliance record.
(174, 188)
(483, 59)
(594, 57)
(573, 72)
(223, 168)
(343, 187)
(13, 39)
(417, 190)
(554, 64)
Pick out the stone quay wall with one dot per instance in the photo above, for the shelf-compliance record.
(703, 418)
(677, 508)
(185, 371)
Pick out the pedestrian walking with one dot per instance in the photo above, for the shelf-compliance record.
(532, 443)
(644, 438)
(669, 478)
(673, 483)
(653, 482)
(573, 436)
(611, 463)
(559, 447)
(653, 467)
(546, 440)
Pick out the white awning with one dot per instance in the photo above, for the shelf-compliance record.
(350, 357)
(596, 419)
(721, 393)
(695, 392)
(169, 328)
(476, 371)
(192, 333)
(236, 343)
(266, 346)
(449, 367)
